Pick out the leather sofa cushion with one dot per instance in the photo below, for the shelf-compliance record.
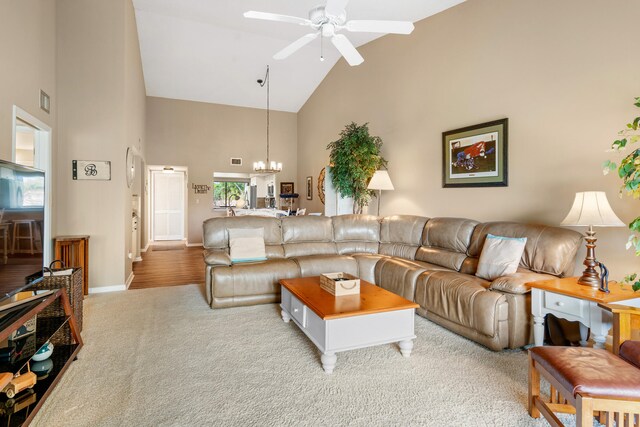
(367, 265)
(398, 276)
(453, 234)
(398, 250)
(402, 229)
(216, 234)
(216, 257)
(357, 247)
(307, 228)
(461, 299)
(315, 265)
(549, 250)
(589, 372)
(253, 278)
(309, 248)
(516, 283)
(360, 228)
(442, 257)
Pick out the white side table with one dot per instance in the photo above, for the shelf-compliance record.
(566, 299)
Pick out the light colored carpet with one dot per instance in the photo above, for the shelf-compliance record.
(162, 357)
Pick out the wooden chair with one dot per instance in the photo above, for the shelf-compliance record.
(301, 211)
(586, 380)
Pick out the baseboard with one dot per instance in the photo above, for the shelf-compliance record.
(145, 248)
(103, 289)
(129, 280)
(137, 259)
(194, 245)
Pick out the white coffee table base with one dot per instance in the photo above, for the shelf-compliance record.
(349, 333)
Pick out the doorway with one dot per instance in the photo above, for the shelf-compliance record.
(168, 204)
(31, 146)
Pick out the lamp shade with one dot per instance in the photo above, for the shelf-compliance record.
(592, 208)
(380, 181)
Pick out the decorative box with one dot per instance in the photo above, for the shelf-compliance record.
(340, 284)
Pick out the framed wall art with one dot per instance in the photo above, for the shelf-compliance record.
(286, 188)
(476, 156)
(98, 170)
(309, 188)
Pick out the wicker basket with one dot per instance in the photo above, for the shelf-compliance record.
(73, 285)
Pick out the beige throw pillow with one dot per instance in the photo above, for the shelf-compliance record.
(246, 245)
(500, 256)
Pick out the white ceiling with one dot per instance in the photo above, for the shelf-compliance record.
(205, 50)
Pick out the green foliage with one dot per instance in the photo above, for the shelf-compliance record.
(226, 193)
(354, 158)
(629, 173)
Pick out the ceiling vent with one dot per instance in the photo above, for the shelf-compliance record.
(236, 161)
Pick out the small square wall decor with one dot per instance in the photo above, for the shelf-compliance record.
(476, 156)
(309, 188)
(286, 188)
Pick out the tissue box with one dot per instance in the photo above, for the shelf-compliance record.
(339, 284)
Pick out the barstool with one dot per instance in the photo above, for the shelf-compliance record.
(17, 236)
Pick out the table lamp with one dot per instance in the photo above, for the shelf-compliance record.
(591, 209)
(380, 181)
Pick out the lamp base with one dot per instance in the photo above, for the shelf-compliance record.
(589, 278)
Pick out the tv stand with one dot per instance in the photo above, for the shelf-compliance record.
(55, 322)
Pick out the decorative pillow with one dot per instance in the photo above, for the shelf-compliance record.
(246, 245)
(500, 256)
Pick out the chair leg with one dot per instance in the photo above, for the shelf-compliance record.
(534, 389)
(584, 411)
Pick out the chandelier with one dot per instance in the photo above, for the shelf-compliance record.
(268, 166)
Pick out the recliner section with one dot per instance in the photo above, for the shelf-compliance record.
(431, 261)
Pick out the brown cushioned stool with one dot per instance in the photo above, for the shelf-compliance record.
(584, 380)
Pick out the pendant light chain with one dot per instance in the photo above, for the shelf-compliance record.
(269, 167)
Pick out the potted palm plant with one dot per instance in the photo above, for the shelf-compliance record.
(629, 173)
(354, 158)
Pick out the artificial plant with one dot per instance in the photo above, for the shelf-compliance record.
(354, 158)
(629, 173)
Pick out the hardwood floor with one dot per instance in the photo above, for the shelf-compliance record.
(168, 266)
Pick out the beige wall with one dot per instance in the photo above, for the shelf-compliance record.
(27, 46)
(564, 73)
(204, 137)
(101, 110)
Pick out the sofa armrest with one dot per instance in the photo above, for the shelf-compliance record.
(517, 283)
(216, 257)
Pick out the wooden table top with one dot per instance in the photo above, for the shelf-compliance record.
(372, 299)
(569, 286)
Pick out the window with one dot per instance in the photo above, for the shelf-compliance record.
(226, 193)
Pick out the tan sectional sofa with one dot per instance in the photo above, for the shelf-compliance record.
(431, 261)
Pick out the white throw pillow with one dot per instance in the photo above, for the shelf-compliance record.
(246, 245)
(500, 256)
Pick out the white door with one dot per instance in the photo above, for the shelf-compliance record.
(168, 205)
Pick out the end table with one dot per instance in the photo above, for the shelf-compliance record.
(567, 299)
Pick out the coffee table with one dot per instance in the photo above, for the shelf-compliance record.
(334, 324)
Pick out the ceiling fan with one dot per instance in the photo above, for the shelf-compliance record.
(327, 20)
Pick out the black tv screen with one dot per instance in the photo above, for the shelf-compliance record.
(21, 227)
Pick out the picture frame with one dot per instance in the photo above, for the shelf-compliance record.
(286, 188)
(309, 188)
(94, 170)
(476, 156)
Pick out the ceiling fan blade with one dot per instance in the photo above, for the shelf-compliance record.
(302, 41)
(276, 17)
(335, 7)
(347, 50)
(389, 27)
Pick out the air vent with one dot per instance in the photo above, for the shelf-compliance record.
(236, 161)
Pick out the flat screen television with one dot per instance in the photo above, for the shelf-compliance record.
(21, 227)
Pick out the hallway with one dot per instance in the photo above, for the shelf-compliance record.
(168, 265)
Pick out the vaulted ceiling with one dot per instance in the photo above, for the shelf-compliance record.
(204, 50)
